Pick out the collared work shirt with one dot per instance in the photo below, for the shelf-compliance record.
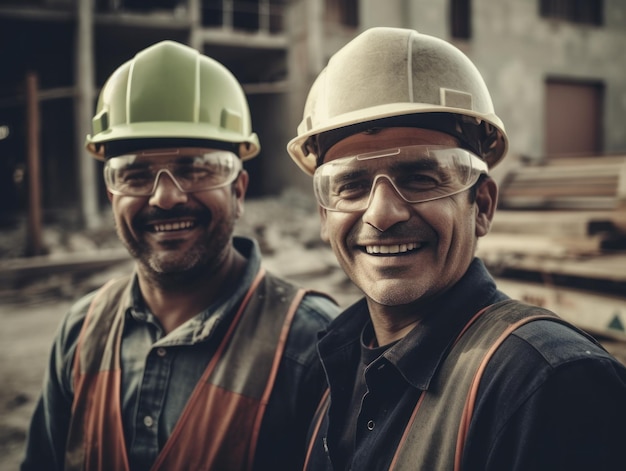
(550, 398)
(160, 372)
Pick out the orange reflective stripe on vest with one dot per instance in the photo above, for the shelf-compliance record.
(223, 415)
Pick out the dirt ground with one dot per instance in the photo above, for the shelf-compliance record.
(30, 313)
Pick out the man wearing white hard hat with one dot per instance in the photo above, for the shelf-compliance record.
(435, 368)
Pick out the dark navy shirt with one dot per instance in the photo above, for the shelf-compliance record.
(550, 398)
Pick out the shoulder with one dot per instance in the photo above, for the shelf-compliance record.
(550, 398)
(313, 314)
(547, 355)
(66, 340)
(320, 307)
(558, 343)
(316, 308)
(74, 319)
(541, 333)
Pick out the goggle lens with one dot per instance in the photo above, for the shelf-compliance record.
(418, 174)
(191, 171)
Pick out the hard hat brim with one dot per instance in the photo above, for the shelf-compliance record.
(194, 131)
(307, 162)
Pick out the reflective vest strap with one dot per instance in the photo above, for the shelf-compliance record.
(227, 407)
(443, 413)
(96, 437)
(318, 418)
(204, 389)
(282, 342)
(470, 401)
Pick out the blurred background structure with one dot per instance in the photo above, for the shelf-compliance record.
(556, 70)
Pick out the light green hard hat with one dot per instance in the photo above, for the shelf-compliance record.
(171, 93)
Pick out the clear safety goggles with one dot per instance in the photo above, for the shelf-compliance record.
(417, 173)
(190, 169)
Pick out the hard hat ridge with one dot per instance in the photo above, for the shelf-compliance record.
(173, 93)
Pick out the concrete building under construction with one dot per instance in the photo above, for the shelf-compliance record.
(555, 69)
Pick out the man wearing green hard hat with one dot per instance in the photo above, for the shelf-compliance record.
(200, 358)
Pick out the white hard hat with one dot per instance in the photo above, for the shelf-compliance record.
(398, 77)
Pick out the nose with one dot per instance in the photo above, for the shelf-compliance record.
(167, 193)
(386, 207)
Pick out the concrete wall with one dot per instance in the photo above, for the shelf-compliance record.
(514, 48)
(516, 51)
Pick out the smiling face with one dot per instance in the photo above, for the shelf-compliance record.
(171, 232)
(399, 253)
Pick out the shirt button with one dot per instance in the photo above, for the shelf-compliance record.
(161, 352)
(147, 421)
(370, 425)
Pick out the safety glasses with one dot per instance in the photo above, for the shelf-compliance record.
(190, 169)
(417, 173)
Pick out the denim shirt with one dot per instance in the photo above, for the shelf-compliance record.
(542, 384)
(161, 370)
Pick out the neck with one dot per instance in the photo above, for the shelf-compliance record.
(391, 323)
(175, 303)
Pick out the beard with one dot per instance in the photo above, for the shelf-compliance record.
(174, 264)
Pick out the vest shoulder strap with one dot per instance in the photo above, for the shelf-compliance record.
(443, 412)
(235, 386)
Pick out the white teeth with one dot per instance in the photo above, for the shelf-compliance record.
(173, 226)
(391, 249)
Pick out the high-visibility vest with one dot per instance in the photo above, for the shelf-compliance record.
(435, 434)
(219, 426)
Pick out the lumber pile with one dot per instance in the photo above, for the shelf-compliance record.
(558, 240)
(597, 183)
(579, 200)
(566, 216)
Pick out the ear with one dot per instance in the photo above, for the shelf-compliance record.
(486, 202)
(240, 186)
(323, 227)
(110, 196)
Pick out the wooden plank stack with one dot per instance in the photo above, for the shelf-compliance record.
(559, 239)
(597, 183)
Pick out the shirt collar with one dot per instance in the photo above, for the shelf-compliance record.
(419, 354)
(204, 323)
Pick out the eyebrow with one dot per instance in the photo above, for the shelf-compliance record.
(425, 164)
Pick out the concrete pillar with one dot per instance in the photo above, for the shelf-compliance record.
(195, 20)
(84, 103)
(315, 32)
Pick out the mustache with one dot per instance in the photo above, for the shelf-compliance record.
(398, 231)
(158, 214)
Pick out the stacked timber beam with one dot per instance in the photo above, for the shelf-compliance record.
(559, 240)
(583, 183)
